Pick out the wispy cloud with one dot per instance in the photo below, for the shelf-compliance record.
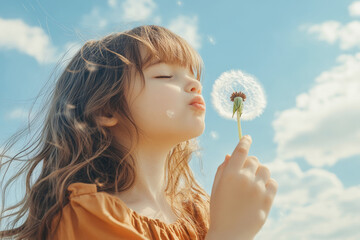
(15, 34)
(311, 205)
(187, 28)
(112, 3)
(120, 13)
(329, 111)
(347, 35)
(354, 9)
(134, 11)
(97, 19)
(18, 113)
(138, 10)
(323, 127)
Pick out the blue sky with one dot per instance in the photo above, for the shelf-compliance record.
(304, 53)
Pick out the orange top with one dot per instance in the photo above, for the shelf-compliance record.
(99, 215)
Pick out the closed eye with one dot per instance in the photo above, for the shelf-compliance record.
(164, 77)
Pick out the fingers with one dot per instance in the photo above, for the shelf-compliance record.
(271, 189)
(251, 164)
(240, 153)
(219, 172)
(262, 173)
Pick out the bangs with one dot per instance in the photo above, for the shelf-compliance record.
(162, 45)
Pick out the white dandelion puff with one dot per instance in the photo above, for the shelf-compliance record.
(235, 81)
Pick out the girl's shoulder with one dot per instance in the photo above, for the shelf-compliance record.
(85, 195)
(78, 189)
(90, 213)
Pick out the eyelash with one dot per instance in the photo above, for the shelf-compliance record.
(164, 77)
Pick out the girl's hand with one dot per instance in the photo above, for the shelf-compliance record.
(241, 196)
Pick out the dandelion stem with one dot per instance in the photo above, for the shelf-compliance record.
(239, 123)
(238, 98)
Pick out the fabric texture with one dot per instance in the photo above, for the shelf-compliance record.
(99, 215)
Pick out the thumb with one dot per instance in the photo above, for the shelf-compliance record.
(219, 173)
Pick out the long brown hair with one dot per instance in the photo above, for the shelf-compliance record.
(73, 147)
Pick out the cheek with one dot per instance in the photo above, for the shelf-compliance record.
(159, 108)
(166, 104)
(166, 108)
(170, 114)
(173, 107)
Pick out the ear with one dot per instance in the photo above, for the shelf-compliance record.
(108, 121)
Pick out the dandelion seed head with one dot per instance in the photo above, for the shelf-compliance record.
(238, 81)
(238, 94)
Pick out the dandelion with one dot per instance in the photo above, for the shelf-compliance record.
(237, 82)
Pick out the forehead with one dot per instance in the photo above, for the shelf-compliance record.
(154, 63)
(149, 59)
(160, 64)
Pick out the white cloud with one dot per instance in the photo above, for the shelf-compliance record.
(116, 14)
(327, 31)
(324, 127)
(180, 3)
(157, 20)
(187, 28)
(354, 9)
(311, 205)
(18, 113)
(214, 135)
(347, 35)
(112, 3)
(138, 10)
(97, 18)
(33, 41)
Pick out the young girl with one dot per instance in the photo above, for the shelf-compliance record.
(115, 146)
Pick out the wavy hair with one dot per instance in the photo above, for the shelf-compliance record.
(73, 147)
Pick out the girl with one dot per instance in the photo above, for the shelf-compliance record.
(115, 146)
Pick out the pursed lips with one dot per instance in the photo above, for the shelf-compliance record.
(198, 102)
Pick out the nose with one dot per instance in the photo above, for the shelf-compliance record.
(195, 86)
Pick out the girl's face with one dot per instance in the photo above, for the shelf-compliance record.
(162, 109)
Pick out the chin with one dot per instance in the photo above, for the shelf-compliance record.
(191, 134)
(199, 131)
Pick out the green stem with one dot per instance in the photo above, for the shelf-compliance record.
(239, 123)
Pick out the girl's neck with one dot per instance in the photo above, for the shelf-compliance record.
(147, 194)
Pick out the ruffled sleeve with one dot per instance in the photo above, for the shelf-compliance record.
(99, 215)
